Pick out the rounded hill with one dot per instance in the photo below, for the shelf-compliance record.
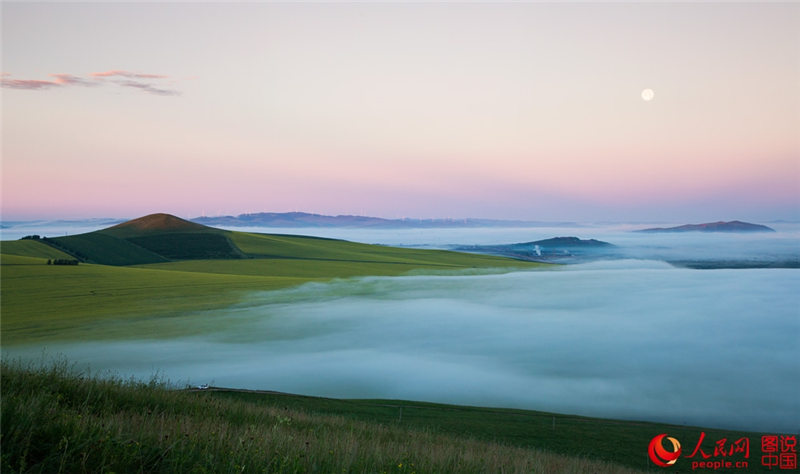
(159, 222)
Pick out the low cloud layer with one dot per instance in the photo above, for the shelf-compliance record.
(624, 339)
(129, 79)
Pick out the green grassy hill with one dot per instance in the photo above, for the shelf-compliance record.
(155, 224)
(56, 422)
(159, 238)
(148, 239)
(162, 266)
(188, 245)
(96, 247)
(31, 248)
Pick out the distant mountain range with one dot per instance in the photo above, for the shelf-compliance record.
(304, 219)
(732, 226)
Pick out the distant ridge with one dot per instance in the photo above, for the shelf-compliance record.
(732, 226)
(305, 219)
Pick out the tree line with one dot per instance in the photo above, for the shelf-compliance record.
(62, 261)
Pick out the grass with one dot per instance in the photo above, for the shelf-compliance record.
(49, 302)
(617, 442)
(55, 421)
(43, 303)
(30, 248)
(188, 245)
(318, 249)
(96, 247)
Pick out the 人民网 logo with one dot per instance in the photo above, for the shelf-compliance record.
(663, 457)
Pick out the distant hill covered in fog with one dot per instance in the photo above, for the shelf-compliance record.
(554, 250)
(732, 226)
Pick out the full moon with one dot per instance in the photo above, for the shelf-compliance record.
(648, 94)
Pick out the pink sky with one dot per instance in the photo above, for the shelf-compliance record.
(526, 111)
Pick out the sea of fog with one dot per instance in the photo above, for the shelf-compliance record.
(633, 339)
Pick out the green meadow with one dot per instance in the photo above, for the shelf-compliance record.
(54, 422)
(161, 266)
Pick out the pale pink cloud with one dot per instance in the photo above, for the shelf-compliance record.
(69, 79)
(128, 74)
(35, 84)
(30, 84)
(142, 86)
(61, 80)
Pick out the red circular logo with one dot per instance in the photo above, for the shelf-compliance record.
(659, 455)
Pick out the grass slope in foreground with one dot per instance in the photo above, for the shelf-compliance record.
(185, 267)
(57, 422)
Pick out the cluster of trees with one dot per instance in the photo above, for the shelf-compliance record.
(62, 261)
(53, 243)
